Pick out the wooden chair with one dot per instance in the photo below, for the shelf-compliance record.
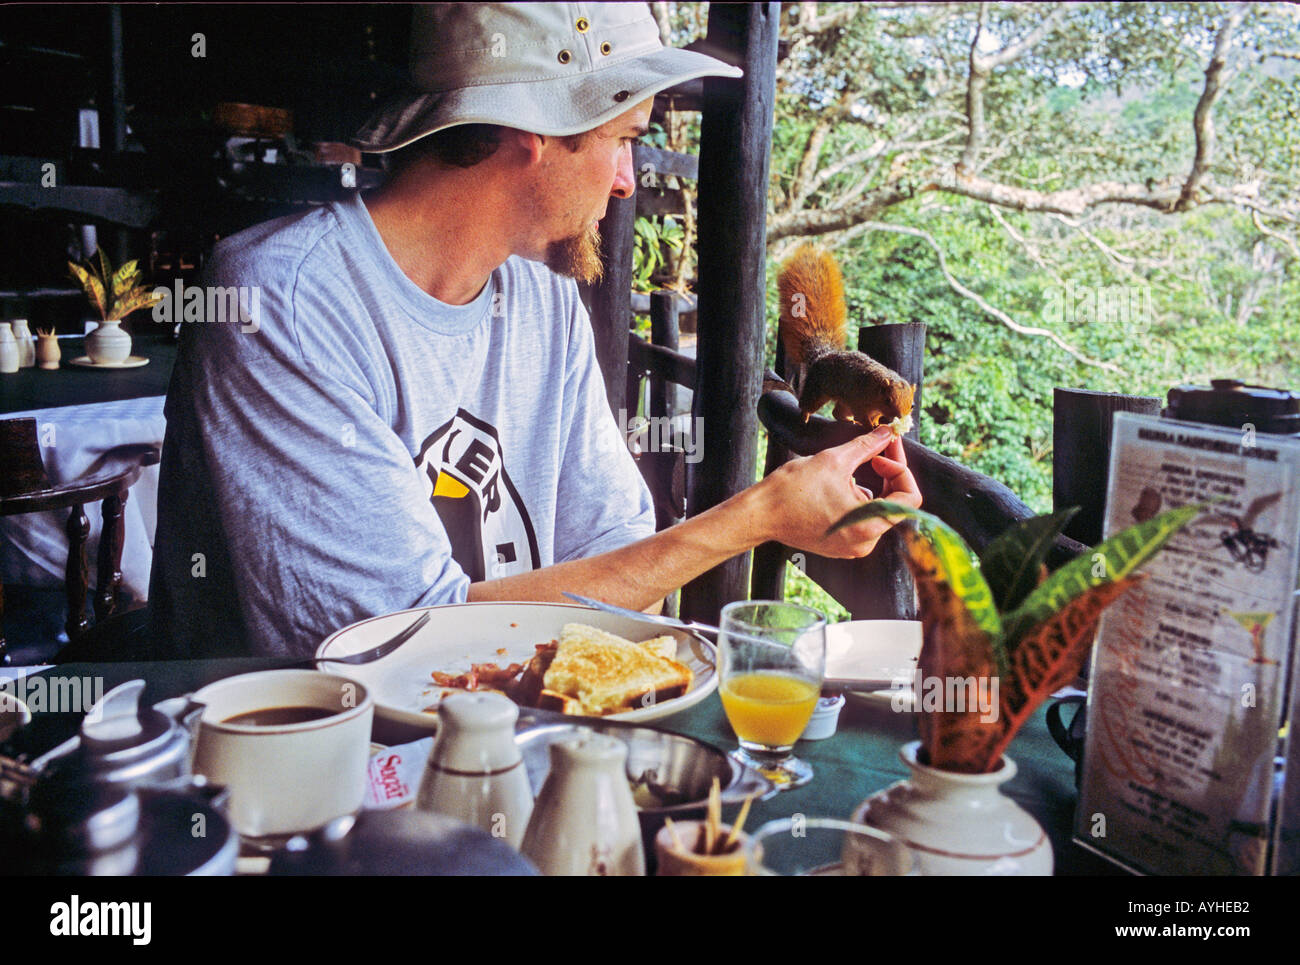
(25, 488)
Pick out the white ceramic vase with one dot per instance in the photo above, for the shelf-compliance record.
(959, 824)
(108, 344)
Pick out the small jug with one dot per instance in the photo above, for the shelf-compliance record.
(8, 350)
(475, 771)
(26, 346)
(585, 820)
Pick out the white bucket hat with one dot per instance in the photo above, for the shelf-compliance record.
(549, 68)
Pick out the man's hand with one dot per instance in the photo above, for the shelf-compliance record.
(808, 495)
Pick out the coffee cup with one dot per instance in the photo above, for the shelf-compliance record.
(291, 745)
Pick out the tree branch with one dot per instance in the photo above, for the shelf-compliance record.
(1202, 121)
(1030, 249)
(965, 292)
(980, 68)
(1295, 252)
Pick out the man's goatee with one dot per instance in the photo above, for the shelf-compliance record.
(577, 257)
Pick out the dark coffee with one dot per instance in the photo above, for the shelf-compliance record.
(278, 716)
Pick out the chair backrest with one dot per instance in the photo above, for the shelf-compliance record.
(21, 467)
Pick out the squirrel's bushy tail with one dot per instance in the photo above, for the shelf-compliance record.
(813, 312)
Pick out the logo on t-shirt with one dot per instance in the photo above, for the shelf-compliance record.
(486, 522)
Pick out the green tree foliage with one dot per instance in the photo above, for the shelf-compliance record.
(1125, 177)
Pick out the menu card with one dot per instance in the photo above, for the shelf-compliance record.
(1186, 765)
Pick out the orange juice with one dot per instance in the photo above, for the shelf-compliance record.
(769, 708)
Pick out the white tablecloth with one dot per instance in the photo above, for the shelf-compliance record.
(76, 441)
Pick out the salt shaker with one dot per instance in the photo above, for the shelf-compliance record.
(475, 771)
(26, 344)
(8, 350)
(585, 821)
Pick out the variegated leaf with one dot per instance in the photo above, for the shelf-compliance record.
(124, 278)
(1050, 655)
(1011, 562)
(1118, 557)
(956, 562)
(92, 286)
(955, 648)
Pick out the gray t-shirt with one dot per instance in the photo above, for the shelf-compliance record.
(369, 448)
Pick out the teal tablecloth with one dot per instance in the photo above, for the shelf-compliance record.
(861, 758)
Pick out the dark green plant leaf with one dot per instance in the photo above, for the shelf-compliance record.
(1112, 560)
(1011, 562)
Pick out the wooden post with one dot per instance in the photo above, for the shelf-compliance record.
(735, 138)
(663, 331)
(611, 299)
(1081, 425)
(885, 590)
(901, 347)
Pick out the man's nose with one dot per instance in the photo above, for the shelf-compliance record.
(625, 179)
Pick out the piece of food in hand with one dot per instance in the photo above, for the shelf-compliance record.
(901, 425)
(606, 673)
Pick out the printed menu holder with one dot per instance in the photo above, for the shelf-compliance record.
(1187, 769)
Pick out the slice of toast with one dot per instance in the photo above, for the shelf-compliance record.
(665, 646)
(608, 674)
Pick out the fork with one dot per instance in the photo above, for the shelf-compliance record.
(375, 653)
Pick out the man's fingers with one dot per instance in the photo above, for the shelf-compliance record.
(861, 448)
(887, 468)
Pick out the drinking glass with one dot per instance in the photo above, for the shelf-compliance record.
(826, 846)
(772, 658)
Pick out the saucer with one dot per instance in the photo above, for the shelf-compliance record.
(130, 362)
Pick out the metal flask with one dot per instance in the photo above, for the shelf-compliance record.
(119, 798)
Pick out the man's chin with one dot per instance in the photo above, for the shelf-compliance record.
(577, 257)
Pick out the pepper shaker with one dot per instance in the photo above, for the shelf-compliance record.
(585, 820)
(475, 771)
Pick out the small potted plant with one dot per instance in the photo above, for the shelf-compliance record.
(115, 294)
(1000, 636)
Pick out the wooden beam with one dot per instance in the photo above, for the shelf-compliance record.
(735, 141)
(610, 300)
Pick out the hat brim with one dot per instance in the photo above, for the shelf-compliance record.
(557, 107)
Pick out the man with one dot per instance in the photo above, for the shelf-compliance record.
(419, 417)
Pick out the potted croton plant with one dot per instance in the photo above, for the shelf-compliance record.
(115, 294)
(999, 636)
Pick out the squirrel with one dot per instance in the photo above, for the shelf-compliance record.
(813, 329)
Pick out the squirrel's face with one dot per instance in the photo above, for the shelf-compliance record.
(901, 396)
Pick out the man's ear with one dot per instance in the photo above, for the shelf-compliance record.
(530, 144)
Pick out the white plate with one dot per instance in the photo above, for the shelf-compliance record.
(130, 362)
(468, 633)
(869, 655)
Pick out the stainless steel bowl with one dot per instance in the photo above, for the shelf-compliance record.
(670, 774)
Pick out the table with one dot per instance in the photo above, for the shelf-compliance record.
(82, 415)
(78, 441)
(36, 388)
(860, 759)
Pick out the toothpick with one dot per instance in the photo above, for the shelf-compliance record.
(734, 836)
(672, 833)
